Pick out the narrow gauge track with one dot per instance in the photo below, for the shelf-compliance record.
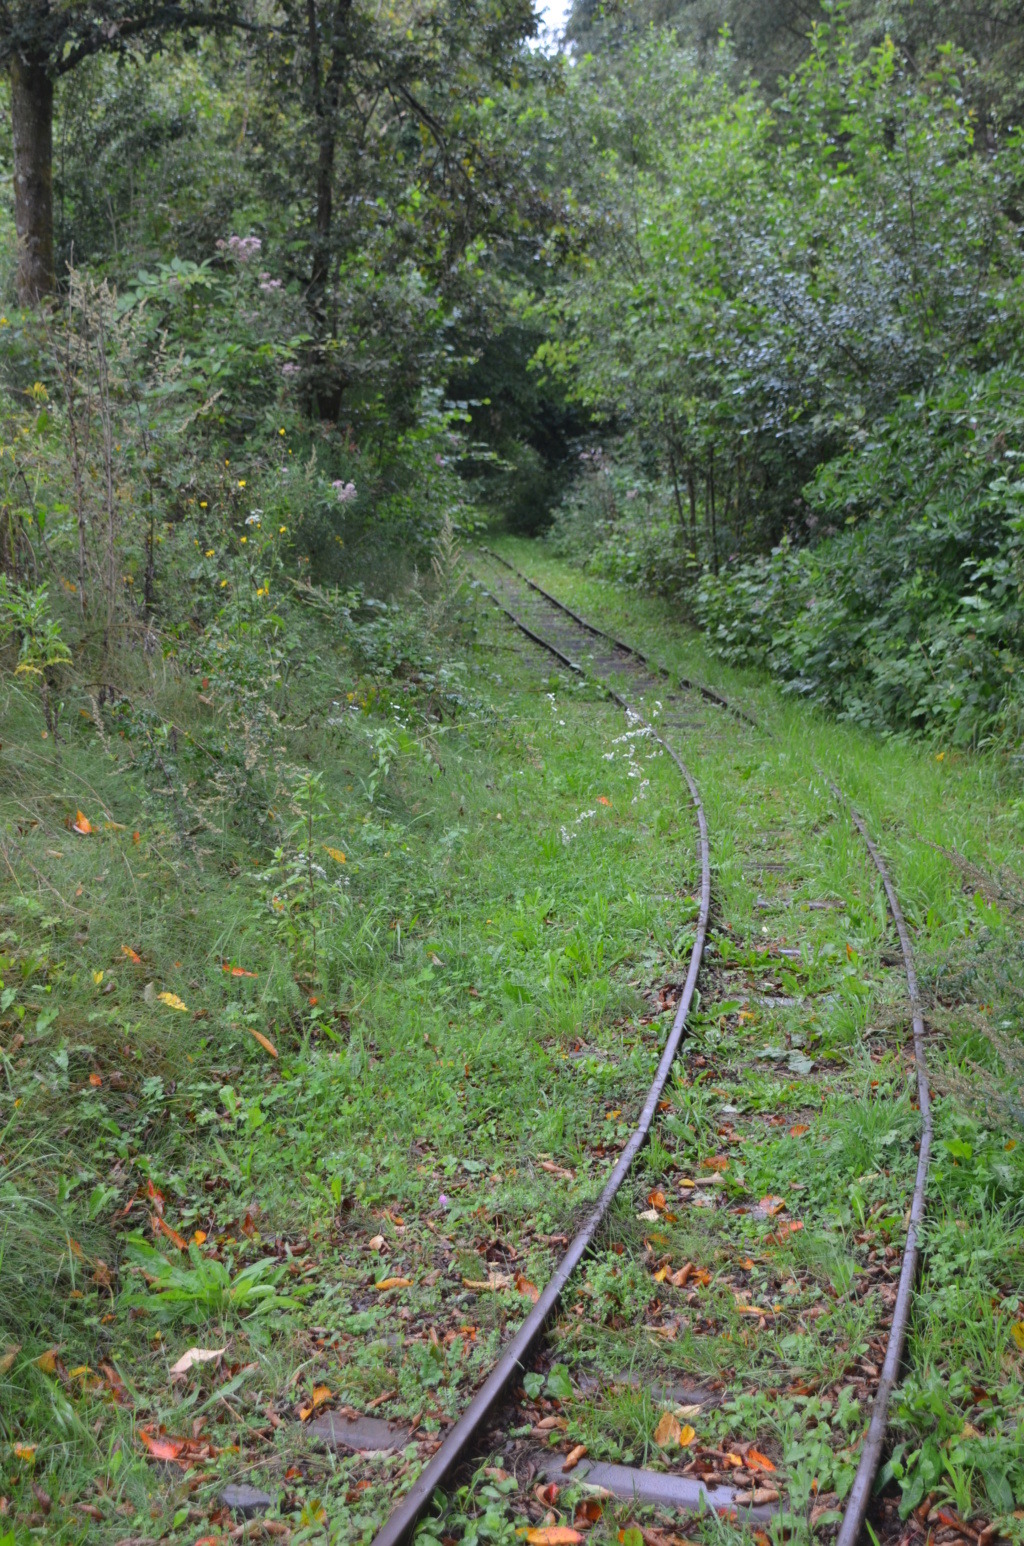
(562, 640)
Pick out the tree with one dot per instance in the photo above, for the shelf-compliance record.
(42, 40)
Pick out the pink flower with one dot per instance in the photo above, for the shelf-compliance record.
(291, 369)
(241, 247)
(442, 1202)
(344, 491)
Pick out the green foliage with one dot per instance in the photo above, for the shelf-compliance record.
(206, 1287)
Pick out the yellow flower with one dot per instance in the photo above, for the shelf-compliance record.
(262, 591)
(940, 756)
(208, 553)
(223, 583)
(243, 539)
(202, 504)
(241, 483)
(280, 431)
(282, 530)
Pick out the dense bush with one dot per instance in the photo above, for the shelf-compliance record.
(909, 612)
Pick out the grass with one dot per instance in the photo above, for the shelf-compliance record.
(415, 1062)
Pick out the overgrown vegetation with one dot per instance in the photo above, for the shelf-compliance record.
(336, 928)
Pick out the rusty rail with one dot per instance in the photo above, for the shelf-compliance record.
(512, 1362)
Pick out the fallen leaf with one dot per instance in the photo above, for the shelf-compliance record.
(7, 1358)
(683, 1412)
(199, 1237)
(649, 1215)
(42, 1498)
(524, 1286)
(320, 1394)
(494, 1282)
(82, 824)
(772, 1205)
(236, 971)
(172, 1001)
(656, 1199)
(194, 1356)
(264, 1041)
(335, 853)
(553, 1535)
(47, 1361)
(95, 1081)
(115, 1384)
(661, 1275)
(132, 955)
(603, 799)
(97, 978)
(388, 1283)
(588, 1511)
(162, 1448)
(26, 1452)
(1017, 1333)
(668, 1431)
(682, 1277)
(717, 1162)
(574, 1457)
(798, 1129)
(758, 1462)
(171, 1234)
(377, 1243)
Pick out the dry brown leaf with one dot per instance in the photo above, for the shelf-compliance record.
(377, 1243)
(196, 1355)
(524, 1286)
(7, 1358)
(668, 1431)
(264, 1041)
(574, 1457)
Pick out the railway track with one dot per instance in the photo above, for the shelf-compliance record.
(701, 1205)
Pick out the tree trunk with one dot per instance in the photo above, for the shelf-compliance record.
(32, 123)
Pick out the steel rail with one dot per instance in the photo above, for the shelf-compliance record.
(454, 1450)
(707, 693)
(871, 1449)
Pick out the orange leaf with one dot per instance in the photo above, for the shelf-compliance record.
(387, 1283)
(524, 1286)
(553, 1535)
(264, 1041)
(236, 971)
(588, 1511)
(786, 1227)
(199, 1238)
(47, 1361)
(758, 1462)
(162, 1448)
(603, 799)
(798, 1129)
(716, 1162)
(574, 1457)
(656, 1199)
(321, 1394)
(95, 1081)
(82, 824)
(772, 1205)
(133, 955)
(172, 1234)
(156, 1197)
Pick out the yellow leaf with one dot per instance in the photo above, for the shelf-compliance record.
(321, 1394)
(7, 1358)
(1017, 1333)
(97, 978)
(668, 1430)
(386, 1283)
(686, 1435)
(25, 1452)
(47, 1361)
(264, 1042)
(172, 1001)
(553, 1535)
(335, 853)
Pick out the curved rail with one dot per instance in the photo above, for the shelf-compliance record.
(871, 1450)
(707, 693)
(402, 1523)
(400, 1526)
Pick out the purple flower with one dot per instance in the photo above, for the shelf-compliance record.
(344, 491)
(291, 369)
(241, 247)
(442, 1202)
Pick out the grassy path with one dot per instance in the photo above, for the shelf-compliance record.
(447, 1081)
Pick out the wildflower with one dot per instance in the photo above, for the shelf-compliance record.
(344, 491)
(280, 432)
(243, 539)
(442, 1201)
(282, 530)
(291, 369)
(223, 583)
(241, 483)
(202, 504)
(208, 553)
(270, 285)
(241, 247)
(261, 590)
(253, 518)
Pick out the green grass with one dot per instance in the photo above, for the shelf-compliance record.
(464, 1012)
